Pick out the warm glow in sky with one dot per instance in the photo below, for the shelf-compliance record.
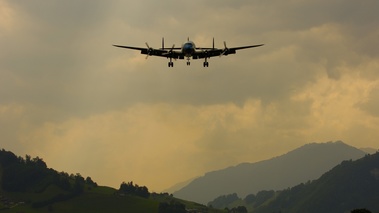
(69, 97)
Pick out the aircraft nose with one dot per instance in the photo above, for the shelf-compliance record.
(188, 48)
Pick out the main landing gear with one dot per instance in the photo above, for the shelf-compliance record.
(170, 63)
(206, 64)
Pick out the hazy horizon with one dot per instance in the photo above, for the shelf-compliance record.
(69, 97)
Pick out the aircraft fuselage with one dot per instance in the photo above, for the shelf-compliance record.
(188, 48)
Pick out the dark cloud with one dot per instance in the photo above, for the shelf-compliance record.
(60, 50)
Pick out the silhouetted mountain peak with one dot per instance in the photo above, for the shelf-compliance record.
(305, 163)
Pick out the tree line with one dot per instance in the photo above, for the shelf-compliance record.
(32, 175)
(133, 189)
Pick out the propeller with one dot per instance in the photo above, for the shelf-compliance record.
(226, 49)
(172, 48)
(150, 50)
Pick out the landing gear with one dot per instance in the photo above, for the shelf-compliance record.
(188, 61)
(170, 63)
(206, 64)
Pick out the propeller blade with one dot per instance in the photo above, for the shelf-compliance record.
(149, 49)
(225, 50)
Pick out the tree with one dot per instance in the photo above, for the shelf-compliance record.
(89, 181)
(224, 201)
(360, 211)
(239, 209)
(131, 189)
(172, 207)
(78, 184)
(250, 198)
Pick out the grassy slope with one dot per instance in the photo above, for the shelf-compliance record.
(99, 200)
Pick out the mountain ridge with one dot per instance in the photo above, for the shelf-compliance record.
(349, 185)
(307, 162)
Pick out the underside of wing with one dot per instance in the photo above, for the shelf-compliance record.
(207, 53)
(146, 51)
(212, 52)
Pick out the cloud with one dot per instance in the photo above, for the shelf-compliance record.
(371, 102)
(84, 106)
(6, 17)
(168, 142)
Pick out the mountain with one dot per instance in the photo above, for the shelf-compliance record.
(178, 186)
(348, 186)
(308, 162)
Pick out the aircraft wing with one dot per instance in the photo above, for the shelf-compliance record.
(212, 52)
(166, 52)
(244, 47)
(147, 51)
(128, 47)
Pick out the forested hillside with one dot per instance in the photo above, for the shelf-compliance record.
(31, 176)
(28, 185)
(348, 186)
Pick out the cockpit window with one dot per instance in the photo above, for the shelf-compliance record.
(188, 46)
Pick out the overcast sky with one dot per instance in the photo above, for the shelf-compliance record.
(69, 97)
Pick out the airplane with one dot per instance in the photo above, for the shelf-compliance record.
(187, 51)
